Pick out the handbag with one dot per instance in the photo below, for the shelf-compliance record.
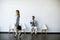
(19, 27)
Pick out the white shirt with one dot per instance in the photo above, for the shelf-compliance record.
(35, 22)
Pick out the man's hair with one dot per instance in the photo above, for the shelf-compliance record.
(17, 11)
(33, 16)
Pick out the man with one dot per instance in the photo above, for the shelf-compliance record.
(33, 25)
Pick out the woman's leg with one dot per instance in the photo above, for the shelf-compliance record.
(16, 31)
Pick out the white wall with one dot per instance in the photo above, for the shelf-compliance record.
(46, 12)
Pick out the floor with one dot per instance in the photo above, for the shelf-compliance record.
(6, 36)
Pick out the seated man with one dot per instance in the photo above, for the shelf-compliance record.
(33, 23)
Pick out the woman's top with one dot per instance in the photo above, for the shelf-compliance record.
(17, 20)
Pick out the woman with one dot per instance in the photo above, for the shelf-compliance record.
(17, 22)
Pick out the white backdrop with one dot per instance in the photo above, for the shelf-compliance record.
(45, 11)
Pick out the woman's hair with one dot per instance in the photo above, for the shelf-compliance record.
(18, 12)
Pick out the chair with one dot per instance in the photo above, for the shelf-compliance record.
(13, 29)
(44, 28)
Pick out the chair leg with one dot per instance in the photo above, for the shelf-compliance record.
(46, 32)
(13, 32)
(24, 31)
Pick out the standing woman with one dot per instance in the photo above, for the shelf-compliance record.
(17, 22)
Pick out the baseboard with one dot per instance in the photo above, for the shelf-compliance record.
(37, 32)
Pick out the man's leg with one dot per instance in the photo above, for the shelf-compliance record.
(35, 28)
(32, 31)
